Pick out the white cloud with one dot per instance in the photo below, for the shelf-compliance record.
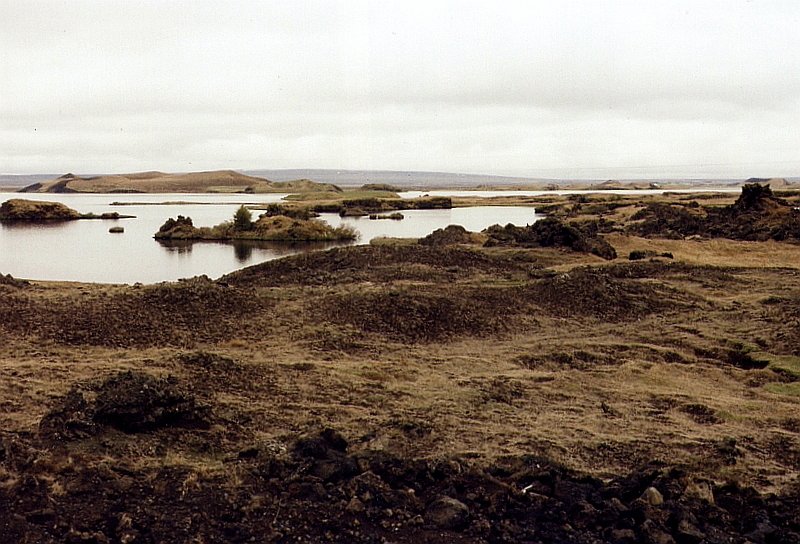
(608, 88)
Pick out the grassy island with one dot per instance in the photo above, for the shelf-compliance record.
(33, 211)
(276, 228)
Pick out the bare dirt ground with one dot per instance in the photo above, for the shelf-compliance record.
(414, 393)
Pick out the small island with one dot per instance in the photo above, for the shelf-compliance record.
(274, 228)
(21, 210)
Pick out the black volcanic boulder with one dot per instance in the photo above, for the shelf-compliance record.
(550, 232)
(135, 402)
(326, 452)
(450, 235)
(179, 228)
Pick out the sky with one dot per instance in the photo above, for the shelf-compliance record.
(564, 89)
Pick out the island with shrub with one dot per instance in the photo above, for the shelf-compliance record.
(268, 227)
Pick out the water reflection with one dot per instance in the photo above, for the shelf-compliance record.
(242, 250)
(245, 251)
(47, 225)
(177, 246)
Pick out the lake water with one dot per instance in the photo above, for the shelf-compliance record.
(86, 251)
(513, 192)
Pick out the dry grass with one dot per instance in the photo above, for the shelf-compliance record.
(715, 252)
(597, 394)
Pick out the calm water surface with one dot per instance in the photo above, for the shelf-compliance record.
(86, 251)
(513, 192)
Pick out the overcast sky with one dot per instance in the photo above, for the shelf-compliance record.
(554, 88)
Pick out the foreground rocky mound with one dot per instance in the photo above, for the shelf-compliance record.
(550, 232)
(322, 490)
(423, 314)
(757, 215)
(381, 263)
(180, 313)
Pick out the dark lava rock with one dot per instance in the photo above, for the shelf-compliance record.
(757, 215)
(281, 499)
(11, 281)
(129, 401)
(450, 235)
(639, 254)
(550, 232)
(71, 419)
(136, 402)
(327, 453)
(179, 228)
(322, 445)
(447, 513)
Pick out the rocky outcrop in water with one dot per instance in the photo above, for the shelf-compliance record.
(34, 211)
(18, 209)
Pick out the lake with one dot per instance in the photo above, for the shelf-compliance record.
(85, 251)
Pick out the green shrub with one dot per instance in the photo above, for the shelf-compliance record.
(243, 219)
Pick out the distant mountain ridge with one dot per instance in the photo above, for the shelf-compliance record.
(303, 180)
(404, 179)
(434, 180)
(219, 181)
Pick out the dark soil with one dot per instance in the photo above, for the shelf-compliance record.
(324, 492)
